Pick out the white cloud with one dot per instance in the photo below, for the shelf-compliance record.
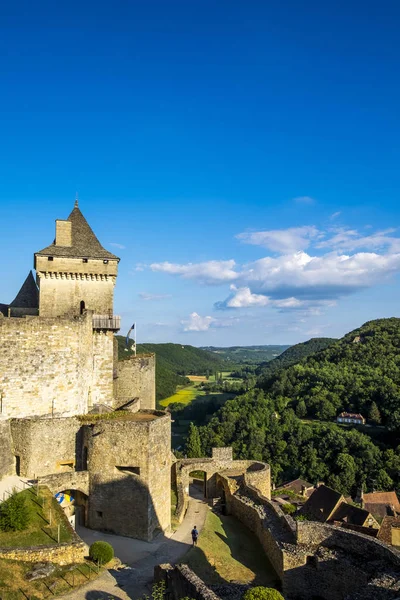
(350, 240)
(120, 246)
(304, 200)
(296, 280)
(335, 215)
(197, 323)
(283, 241)
(242, 297)
(212, 271)
(149, 297)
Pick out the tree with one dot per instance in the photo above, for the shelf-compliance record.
(301, 409)
(101, 552)
(193, 443)
(374, 414)
(14, 513)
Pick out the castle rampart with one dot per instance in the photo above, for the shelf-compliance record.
(46, 365)
(135, 379)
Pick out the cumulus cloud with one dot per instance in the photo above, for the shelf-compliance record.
(210, 272)
(149, 297)
(197, 323)
(337, 262)
(283, 241)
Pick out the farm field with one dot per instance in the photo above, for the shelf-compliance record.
(183, 396)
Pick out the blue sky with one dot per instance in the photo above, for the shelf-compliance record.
(244, 154)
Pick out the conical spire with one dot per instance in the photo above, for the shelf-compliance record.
(28, 295)
(84, 242)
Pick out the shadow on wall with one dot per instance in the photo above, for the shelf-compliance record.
(122, 505)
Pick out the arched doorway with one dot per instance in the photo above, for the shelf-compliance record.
(75, 506)
(82, 307)
(198, 484)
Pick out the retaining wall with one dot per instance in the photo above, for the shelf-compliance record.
(181, 582)
(62, 554)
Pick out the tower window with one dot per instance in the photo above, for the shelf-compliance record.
(105, 262)
(85, 260)
(82, 306)
(50, 258)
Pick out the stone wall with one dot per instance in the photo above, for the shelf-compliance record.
(136, 379)
(60, 482)
(102, 390)
(65, 282)
(62, 554)
(221, 462)
(45, 446)
(181, 582)
(46, 365)
(356, 544)
(7, 460)
(129, 463)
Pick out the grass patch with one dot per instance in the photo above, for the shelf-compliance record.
(182, 396)
(14, 586)
(174, 502)
(39, 532)
(228, 551)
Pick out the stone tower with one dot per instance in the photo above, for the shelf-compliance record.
(75, 273)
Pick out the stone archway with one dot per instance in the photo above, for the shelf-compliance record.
(74, 502)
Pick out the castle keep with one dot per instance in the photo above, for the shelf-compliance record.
(60, 377)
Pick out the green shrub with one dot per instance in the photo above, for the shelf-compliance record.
(101, 552)
(14, 513)
(288, 509)
(262, 593)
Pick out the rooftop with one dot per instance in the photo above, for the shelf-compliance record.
(322, 503)
(84, 242)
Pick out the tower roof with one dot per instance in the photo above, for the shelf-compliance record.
(28, 295)
(84, 242)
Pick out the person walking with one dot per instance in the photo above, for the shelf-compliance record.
(195, 535)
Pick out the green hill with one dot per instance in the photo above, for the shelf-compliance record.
(356, 373)
(292, 355)
(174, 362)
(249, 355)
(290, 423)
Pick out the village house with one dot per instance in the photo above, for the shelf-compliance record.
(354, 418)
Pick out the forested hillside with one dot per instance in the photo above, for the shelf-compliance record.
(292, 355)
(359, 373)
(264, 428)
(174, 361)
(249, 355)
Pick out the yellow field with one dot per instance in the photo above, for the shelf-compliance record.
(183, 396)
(197, 377)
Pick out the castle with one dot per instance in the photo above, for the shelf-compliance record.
(60, 378)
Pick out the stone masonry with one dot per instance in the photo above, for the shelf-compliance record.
(58, 364)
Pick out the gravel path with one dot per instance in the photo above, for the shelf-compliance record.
(135, 579)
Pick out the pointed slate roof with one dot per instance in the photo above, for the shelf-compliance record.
(84, 242)
(28, 295)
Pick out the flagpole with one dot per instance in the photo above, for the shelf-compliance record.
(135, 335)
